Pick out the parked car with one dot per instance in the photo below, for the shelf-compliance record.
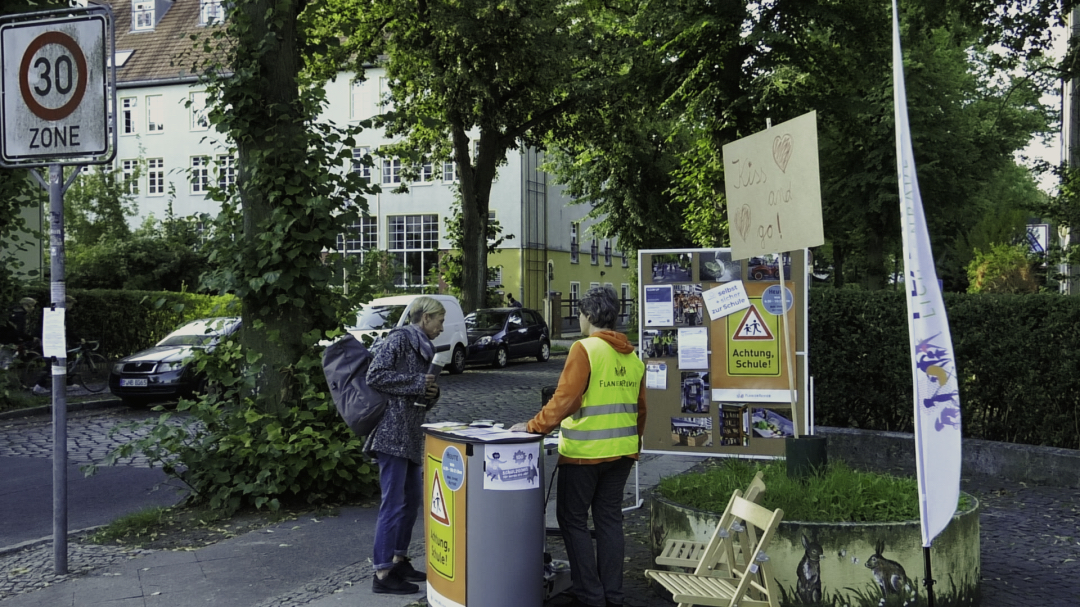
(498, 334)
(377, 317)
(163, 371)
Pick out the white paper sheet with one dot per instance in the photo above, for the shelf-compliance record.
(726, 299)
(659, 306)
(656, 376)
(53, 338)
(693, 348)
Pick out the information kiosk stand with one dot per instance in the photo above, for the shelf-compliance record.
(484, 521)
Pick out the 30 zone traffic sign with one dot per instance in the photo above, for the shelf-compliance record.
(56, 96)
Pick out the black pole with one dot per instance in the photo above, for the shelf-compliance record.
(928, 581)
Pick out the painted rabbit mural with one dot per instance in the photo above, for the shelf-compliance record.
(890, 576)
(808, 576)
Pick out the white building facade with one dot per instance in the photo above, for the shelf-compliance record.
(162, 126)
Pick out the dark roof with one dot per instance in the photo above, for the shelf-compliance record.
(164, 53)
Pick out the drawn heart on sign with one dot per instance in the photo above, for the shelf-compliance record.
(742, 221)
(781, 151)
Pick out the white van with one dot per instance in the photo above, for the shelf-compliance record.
(378, 316)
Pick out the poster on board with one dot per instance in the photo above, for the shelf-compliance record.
(717, 384)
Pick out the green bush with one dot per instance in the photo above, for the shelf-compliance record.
(1017, 357)
(125, 322)
(232, 454)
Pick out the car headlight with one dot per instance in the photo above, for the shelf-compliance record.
(118, 368)
(483, 341)
(166, 367)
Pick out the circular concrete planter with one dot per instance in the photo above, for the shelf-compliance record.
(850, 558)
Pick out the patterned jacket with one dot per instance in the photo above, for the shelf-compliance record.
(398, 370)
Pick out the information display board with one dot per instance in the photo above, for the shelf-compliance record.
(715, 351)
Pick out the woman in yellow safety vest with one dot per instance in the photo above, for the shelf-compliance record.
(600, 406)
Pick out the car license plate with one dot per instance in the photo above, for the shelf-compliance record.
(133, 382)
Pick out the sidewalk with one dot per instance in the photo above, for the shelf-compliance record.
(314, 562)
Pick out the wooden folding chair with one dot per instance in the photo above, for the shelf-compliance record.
(750, 583)
(689, 553)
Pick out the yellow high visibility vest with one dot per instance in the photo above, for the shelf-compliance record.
(606, 424)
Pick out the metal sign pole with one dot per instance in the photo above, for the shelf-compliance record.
(58, 290)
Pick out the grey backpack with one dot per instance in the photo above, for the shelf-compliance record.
(345, 364)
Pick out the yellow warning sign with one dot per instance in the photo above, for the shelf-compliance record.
(752, 348)
(440, 527)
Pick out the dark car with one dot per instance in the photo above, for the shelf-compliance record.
(163, 371)
(498, 334)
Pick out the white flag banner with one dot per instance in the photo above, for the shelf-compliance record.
(933, 365)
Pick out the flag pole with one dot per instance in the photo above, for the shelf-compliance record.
(928, 579)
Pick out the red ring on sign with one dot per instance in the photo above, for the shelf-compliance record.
(53, 114)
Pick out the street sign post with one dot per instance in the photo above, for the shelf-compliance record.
(58, 106)
(57, 88)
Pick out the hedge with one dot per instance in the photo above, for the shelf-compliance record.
(125, 322)
(1018, 357)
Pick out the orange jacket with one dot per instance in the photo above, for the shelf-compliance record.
(572, 384)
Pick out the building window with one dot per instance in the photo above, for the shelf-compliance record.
(414, 241)
(210, 11)
(625, 260)
(155, 176)
(449, 171)
(127, 115)
(575, 295)
(494, 277)
(365, 99)
(155, 121)
(226, 170)
(594, 252)
(607, 252)
(130, 171)
(573, 243)
(358, 166)
(360, 237)
(200, 114)
(424, 172)
(142, 16)
(200, 174)
(625, 302)
(391, 170)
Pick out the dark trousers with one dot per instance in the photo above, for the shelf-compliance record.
(596, 574)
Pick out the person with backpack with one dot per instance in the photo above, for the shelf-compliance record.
(600, 406)
(401, 371)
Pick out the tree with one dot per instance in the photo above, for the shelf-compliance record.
(730, 68)
(292, 197)
(507, 70)
(1003, 269)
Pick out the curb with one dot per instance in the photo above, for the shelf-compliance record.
(6, 550)
(47, 409)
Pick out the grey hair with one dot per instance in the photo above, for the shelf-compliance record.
(425, 305)
(601, 306)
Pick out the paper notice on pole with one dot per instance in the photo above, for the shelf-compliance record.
(656, 376)
(726, 299)
(53, 339)
(694, 348)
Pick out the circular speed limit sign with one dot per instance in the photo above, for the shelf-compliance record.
(58, 89)
(52, 76)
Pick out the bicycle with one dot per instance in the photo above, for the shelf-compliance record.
(84, 365)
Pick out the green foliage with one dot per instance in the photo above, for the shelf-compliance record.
(1017, 357)
(125, 322)
(98, 205)
(839, 495)
(233, 454)
(17, 192)
(1004, 269)
(267, 432)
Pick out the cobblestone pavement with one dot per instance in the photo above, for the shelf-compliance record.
(1030, 534)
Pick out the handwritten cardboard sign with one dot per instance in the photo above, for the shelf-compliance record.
(774, 190)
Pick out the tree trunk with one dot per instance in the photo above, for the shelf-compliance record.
(476, 181)
(279, 144)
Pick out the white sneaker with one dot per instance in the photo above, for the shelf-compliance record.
(40, 390)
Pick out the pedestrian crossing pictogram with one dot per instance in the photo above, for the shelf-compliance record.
(438, 505)
(752, 327)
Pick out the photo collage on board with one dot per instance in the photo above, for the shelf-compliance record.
(675, 324)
